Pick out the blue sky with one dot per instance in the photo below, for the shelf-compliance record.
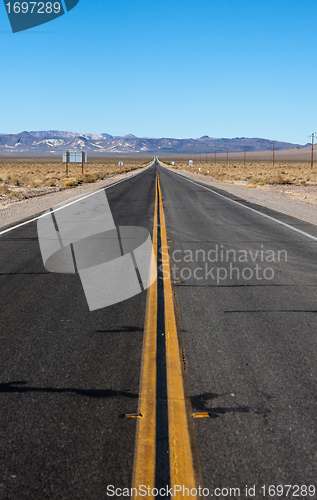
(173, 68)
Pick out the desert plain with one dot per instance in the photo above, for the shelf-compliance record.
(287, 184)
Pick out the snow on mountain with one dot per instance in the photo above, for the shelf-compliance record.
(56, 141)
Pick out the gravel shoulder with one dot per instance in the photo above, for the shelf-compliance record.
(296, 201)
(292, 200)
(46, 198)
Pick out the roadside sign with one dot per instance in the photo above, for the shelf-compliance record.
(74, 157)
(191, 163)
(120, 164)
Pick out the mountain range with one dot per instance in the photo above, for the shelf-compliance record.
(53, 142)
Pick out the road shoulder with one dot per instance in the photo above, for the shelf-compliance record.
(20, 210)
(279, 198)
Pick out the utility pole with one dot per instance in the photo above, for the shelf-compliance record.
(273, 153)
(312, 149)
(215, 156)
(227, 156)
(245, 152)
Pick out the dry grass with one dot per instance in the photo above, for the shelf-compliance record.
(254, 173)
(20, 176)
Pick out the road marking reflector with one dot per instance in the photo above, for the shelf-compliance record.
(202, 414)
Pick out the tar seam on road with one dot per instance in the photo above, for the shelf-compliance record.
(163, 451)
(162, 470)
(303, 233)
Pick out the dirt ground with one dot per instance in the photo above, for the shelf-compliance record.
(24, 178)
(255, 173)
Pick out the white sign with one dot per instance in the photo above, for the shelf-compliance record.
(191, 163)
(120, 163)
(74, 157)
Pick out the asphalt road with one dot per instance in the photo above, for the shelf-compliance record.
(249, 345)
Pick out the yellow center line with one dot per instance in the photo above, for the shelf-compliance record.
(181, 458)
(180, 451)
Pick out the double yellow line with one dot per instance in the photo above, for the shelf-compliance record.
(180, 450)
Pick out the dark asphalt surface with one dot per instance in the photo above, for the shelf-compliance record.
(67, 374)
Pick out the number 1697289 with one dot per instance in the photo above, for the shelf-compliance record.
(33, 7)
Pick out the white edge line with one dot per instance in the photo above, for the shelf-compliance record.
(310, 236)
(48, 211)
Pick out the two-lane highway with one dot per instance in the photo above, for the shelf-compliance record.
(238, 385)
